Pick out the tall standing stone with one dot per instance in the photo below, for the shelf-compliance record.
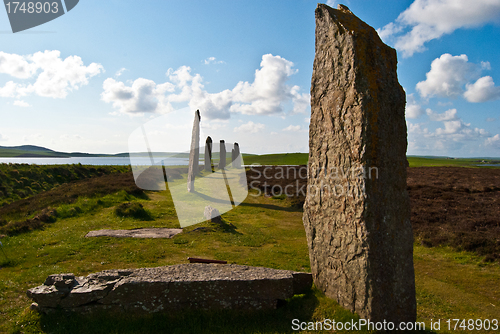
(236, 158)
(222, 155)
(208, 155)
(357, 213)
(194, 153)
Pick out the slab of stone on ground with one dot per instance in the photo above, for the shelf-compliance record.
(136, 233)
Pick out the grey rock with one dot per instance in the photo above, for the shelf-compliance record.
(170, 288)
(136, 233)
(208, 155)
(356, 212)
(194, 153)
(236, 157)
(222, 155)
(212, 214)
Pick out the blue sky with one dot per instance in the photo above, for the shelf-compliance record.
(87, 80)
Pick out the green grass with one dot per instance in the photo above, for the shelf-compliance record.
(441, 162)
(414, 161)
(277, 159)
(260, 232)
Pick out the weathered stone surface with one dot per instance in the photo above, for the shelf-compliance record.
(194, 153)
(163, 289)
(222, 155)
(236, 157)
(208, 155)
(356, 213)
(136, 233)
(212, 214)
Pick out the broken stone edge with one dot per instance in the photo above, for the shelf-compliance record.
(170, 288)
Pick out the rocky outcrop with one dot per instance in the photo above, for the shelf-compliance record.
(166, 289)
(357, 213)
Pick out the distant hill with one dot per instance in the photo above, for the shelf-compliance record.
(32, 148)
(32, 151)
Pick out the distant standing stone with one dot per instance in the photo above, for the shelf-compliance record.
(194, 153)
(357, 212)
(222, 155)
(208, 155)
(236, 158)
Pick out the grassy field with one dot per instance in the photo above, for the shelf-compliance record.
(302, 158)
(262, 231)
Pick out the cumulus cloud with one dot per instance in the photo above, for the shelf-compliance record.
(268, 91)
(266, 95)
(413, 109)
(143, 96)
(451, 76)
(213, 60)
(448, 115)
(250, 127)
(447, 76)
(55, 77)
(493, 141)
(21, 103)
(292, 128)
(482, 90)
(451, 134)
(426, 20)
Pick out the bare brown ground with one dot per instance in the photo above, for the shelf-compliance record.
(454, 206)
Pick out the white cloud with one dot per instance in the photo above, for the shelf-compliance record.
(3, 138)
(413, 109)
(250, 127)
(55, 76)
(453, 134)
(268, 91)
(21, 103)
(452, 76)
(17, 66)
(213, 60)
(120, 72)
(493, 141)
(214, 125)
(266, 95)
(448, 115)
(490, 119)
(332, 3)
(293, 128)
(447, 76)
(482, 90)
(143, 96)
(431, 19)
(307, 120)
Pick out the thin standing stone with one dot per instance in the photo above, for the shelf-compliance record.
(208, 155)
(194, 153)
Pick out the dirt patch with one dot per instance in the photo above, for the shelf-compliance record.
(458, 207)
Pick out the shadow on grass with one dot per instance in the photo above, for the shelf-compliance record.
(225, 321)
(306, 309)
(273, 207)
